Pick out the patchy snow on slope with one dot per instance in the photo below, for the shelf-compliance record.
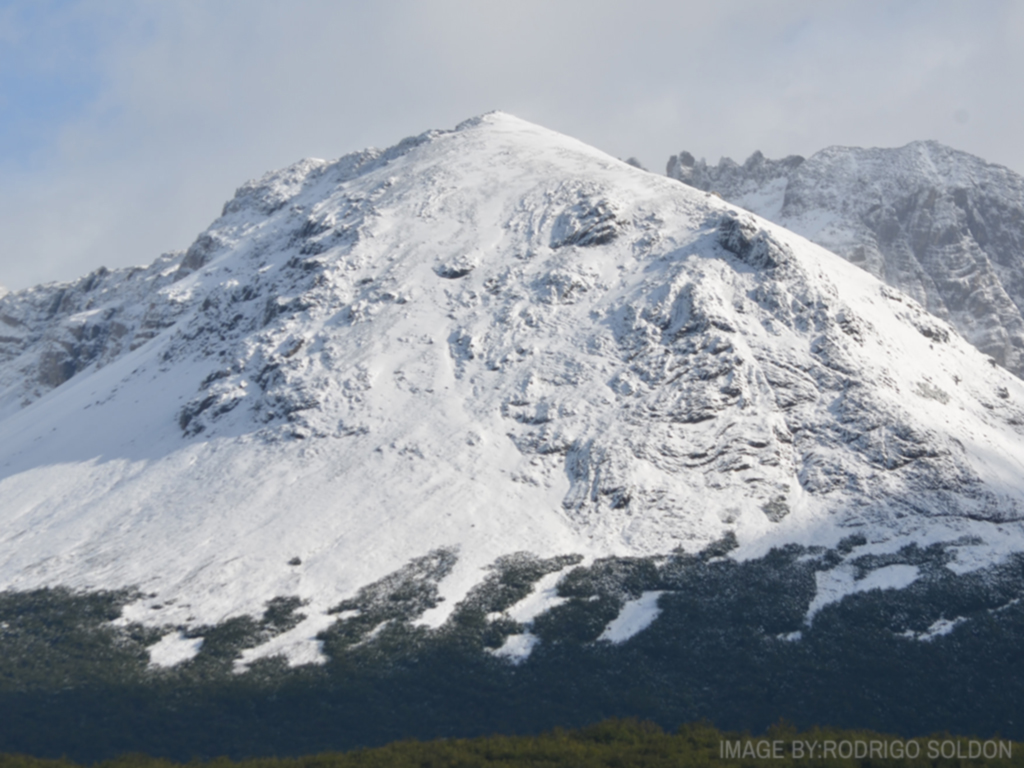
(635, 616)
(173, 649)
(297, 646)
(834, 585)
(542, 599)
(937, 629)
(516, 648)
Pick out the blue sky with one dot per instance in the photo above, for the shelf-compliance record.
(38, 92)
(125, 125)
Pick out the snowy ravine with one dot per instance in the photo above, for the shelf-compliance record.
(481, 342)
(944, 226)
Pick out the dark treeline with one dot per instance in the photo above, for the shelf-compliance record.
(732, 644)
(623, 744)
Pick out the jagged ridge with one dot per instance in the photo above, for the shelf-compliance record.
(941, 225)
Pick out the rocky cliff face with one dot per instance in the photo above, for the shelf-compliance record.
(941, 225)
(50, 333)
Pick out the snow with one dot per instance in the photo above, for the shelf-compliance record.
(937, 629)
(635, 616)
(319, 376)
(542, 599)
(765, 201)
(297, 646)
(887, 210)
(517, 648)
(834, 585)
(173, 649)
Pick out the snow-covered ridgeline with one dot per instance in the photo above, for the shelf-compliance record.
(941, 225)
(495, 339)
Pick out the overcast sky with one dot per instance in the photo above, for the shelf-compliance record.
(124, 126)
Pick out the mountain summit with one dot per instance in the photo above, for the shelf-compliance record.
(480, 342)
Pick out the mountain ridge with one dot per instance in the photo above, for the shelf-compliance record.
(942, 225)
(481, 342)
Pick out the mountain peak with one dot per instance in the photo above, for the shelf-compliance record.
(485, 341)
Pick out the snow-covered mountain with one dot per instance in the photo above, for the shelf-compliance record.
(941, 225)
(482, 342)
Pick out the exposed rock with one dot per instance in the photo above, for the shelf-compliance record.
(941, 225)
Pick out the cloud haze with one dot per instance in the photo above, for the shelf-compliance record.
(124, 126)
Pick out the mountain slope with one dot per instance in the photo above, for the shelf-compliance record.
(941, 225)
(481, 342)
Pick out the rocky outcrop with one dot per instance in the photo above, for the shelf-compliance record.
(50, 333)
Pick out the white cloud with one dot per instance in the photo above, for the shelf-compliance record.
(188, 100)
